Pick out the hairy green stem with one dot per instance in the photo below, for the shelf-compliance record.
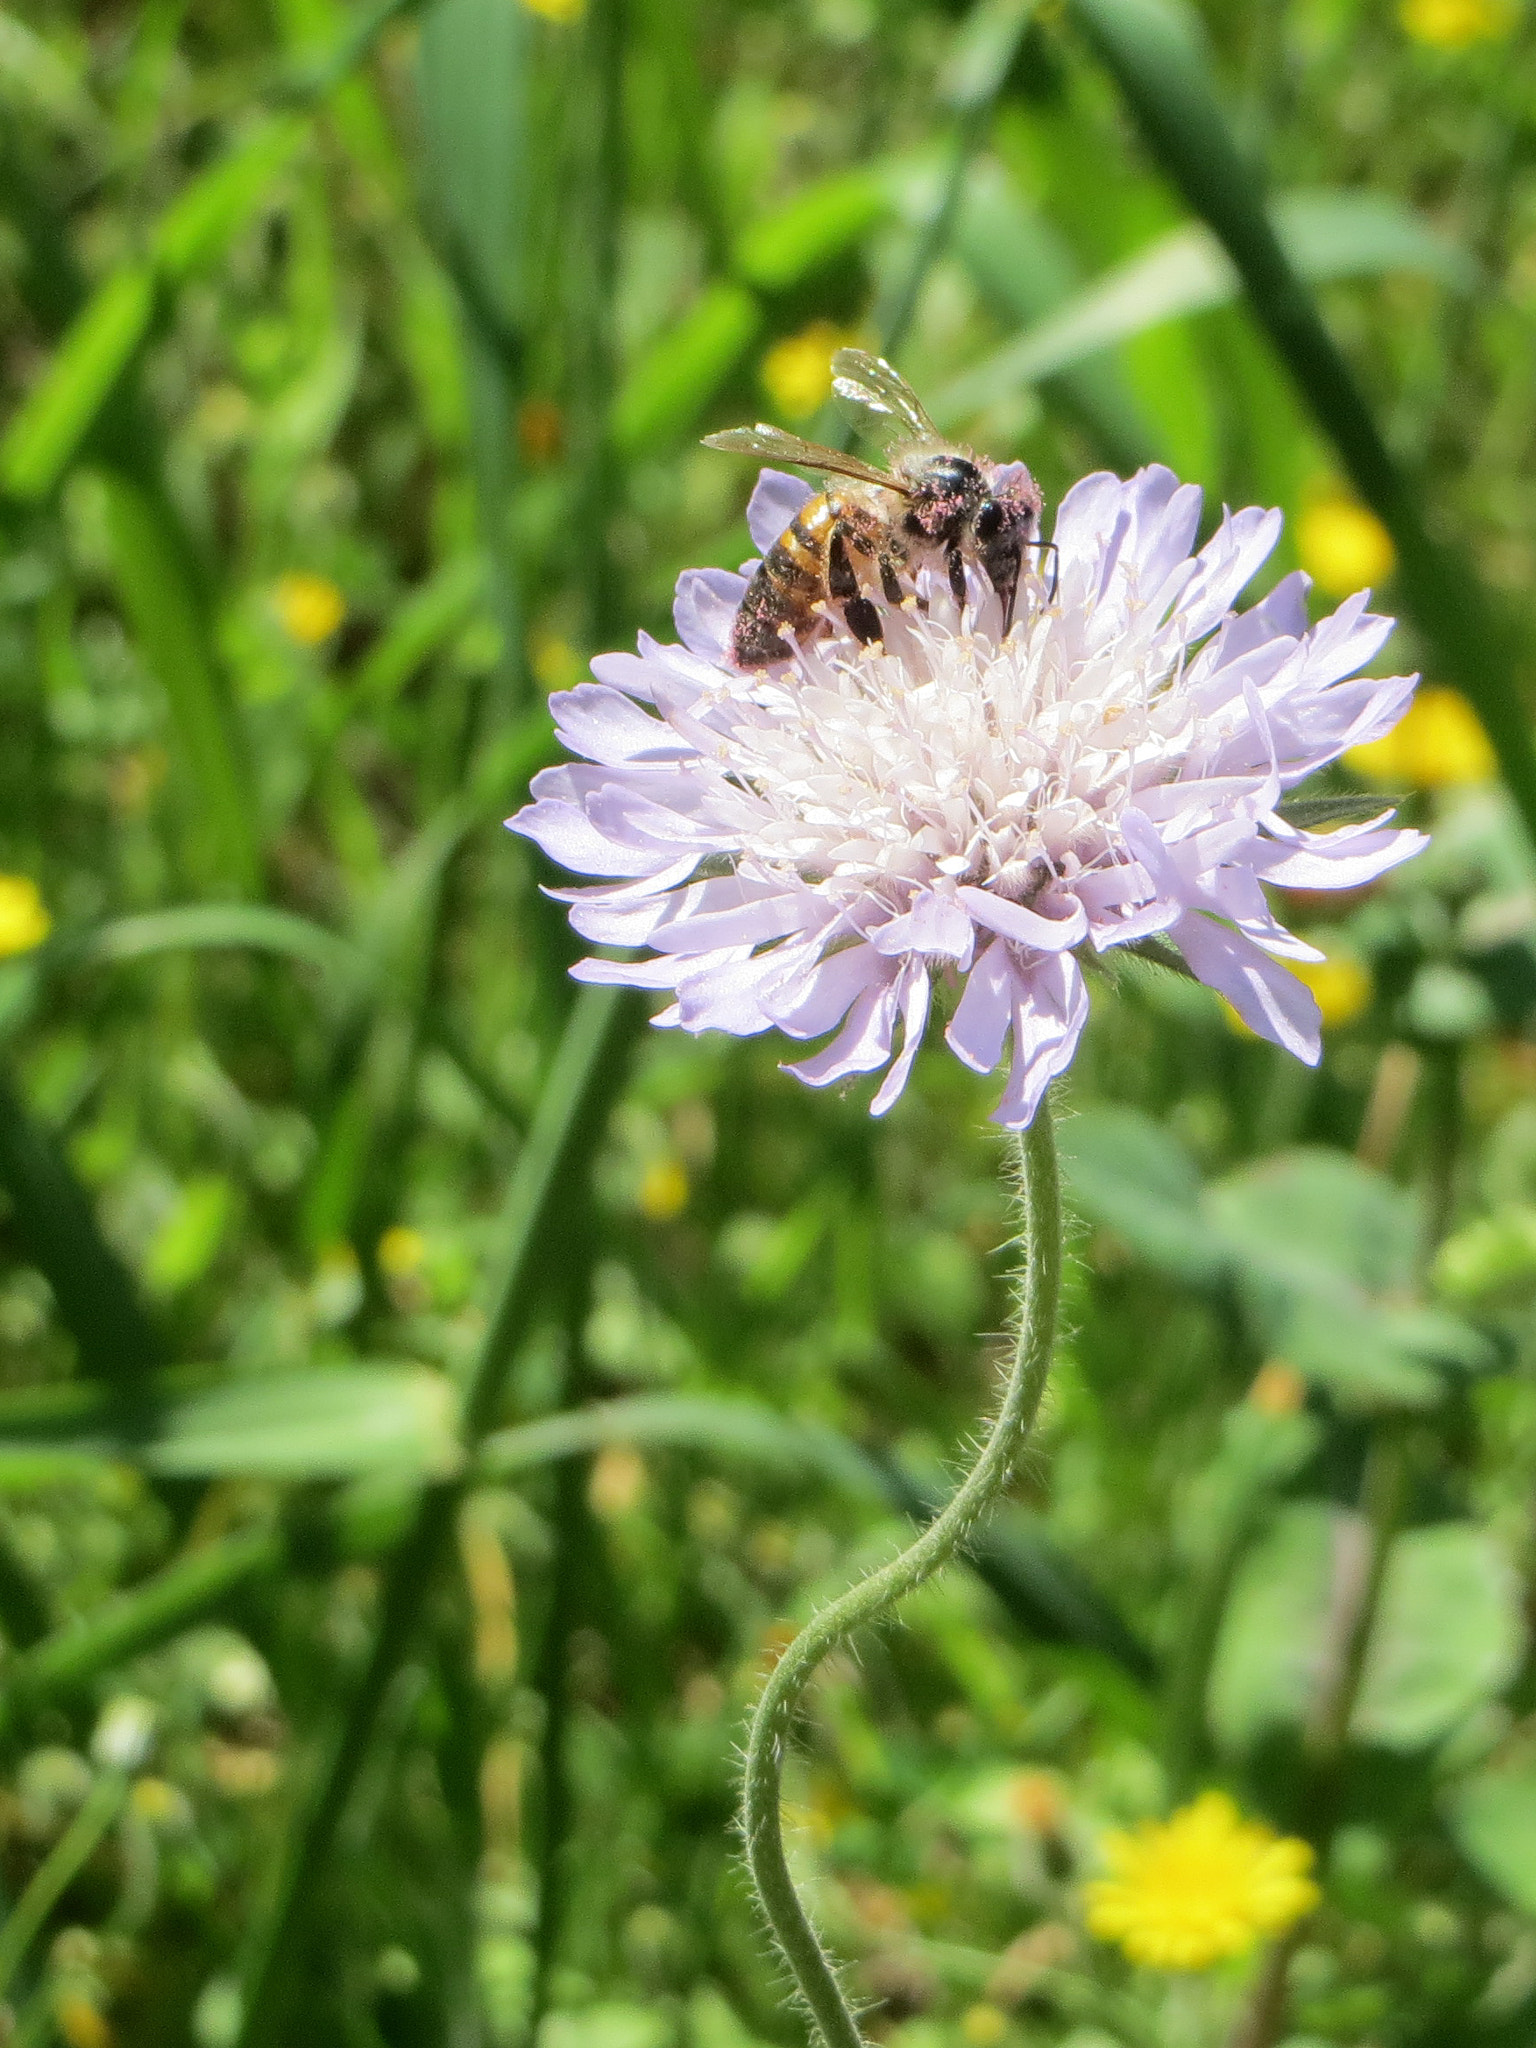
(874, 1597)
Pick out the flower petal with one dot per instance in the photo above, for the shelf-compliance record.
(773, 504)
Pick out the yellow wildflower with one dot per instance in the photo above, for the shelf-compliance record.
(1343, 547)
(1341, 984)
(401, 1252)
(616, 1486)
(1204, 1885)
(663, 1190)
(1277, 1389)
(162, 1804)
(1456, 24)
(309, 607)
(983, 2025)
(797, 371)
(79, 2021)
(557, 10)
(1438, 743)
(1036, 1801)
(555, 663)
(24, 919)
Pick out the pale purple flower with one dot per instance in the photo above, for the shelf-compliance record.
(809, 848)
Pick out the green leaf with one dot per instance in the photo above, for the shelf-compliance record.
(1320, 1215)
(1327, 235)
(80, 376)
(1493, 1818)
(668, 388)
(188, 1240)
(1493, 1257)
(335, 1423)
(1326, 1253)
(1449, 1637)
(1131, 1175)
(1270, 1652)
(1449, 1633)
(820, 222)
(204, 219)
(985, 48)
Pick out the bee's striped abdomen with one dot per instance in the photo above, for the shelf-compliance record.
(798, 558)
(793, 576)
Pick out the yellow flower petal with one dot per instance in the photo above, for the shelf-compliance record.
(1456, 24)
(1438, 743)
(1277, 1389)
(1341, 984)
(309, 607)
(557, 10)
(797, 372)
(24, 919)
(401, 1252)
(1343, 547)
(664, 1190)
(1199, 1887)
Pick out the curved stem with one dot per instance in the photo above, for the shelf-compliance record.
(875, 1596)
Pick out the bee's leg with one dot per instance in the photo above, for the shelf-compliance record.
(843, 587)
(888, 579)
(954, 562)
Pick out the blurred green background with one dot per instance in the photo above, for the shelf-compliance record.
(427, 1396)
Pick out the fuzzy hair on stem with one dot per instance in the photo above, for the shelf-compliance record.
(872, 1599)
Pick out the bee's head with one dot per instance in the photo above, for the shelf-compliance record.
(1003, 523)
(944, 492)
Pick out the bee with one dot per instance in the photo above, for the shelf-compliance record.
(936, 503)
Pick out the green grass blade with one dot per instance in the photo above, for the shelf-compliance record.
(1326, 234)
(712, 1423)
(55, 1223)
(218, 927)
(58, 1871)
(474, 87)
(977, 72)
(672, 383)
(24, 1606)
(425, 620)
(1024, 270)
(573, 1103)
(1157, 61)
(110, 329)
(201, 223)
(811, 229)
(187, 1591)
(161, 598)
(295, 1427)
(60, 407)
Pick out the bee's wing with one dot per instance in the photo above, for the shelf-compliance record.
(774, 445)
(870, 382)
